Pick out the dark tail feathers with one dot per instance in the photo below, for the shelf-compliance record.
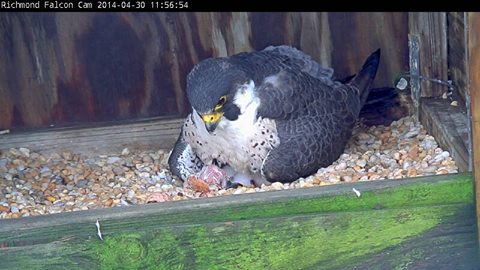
(384, 105)
(346, 79)
(365, 77)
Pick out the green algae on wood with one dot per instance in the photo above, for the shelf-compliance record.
(139, 251)
(318, 228)
(457, 189)
(329, 241)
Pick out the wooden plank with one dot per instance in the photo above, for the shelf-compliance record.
(449, 125)
(474, 88)
(431, 28)
(394, 224)
(433, 245)
(367, 31)
(457, 54)
(154, 133)
(56, 69)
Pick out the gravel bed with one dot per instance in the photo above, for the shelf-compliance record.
(35, 184)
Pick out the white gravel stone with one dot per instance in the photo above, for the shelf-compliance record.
(125, 152)
(411, 133)
(25, 151)
(277, 186)
(14, 209)
(112, 160)
(240, 190)
(361, 163)
(341, 166)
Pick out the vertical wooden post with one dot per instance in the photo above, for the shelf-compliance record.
(457, 53)
(457, 36)
(474, 87)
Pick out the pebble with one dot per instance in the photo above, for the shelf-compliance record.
(3, 162)
(412, 172)
(125, 152)
(83, 183)
(363, 178)
(147, 159)
(341, 166)
(412, 133)
(108, 202)
(441, 156)
(430, 169)
(166, 187)
(112, 160)
(118, 170)
(124, 203)
(240, 190)
(8, 176)
(58, 203)
(24, 151)
(69, 187)
(38, 184)
(276, 186)
(406, 164)
(361, 163)
(67, 155)
(15, 152)
(57, 179)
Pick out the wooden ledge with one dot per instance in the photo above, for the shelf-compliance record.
(427, 221)
(154, 133)
(449, 125)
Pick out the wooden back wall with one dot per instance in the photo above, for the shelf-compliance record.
(66, 69)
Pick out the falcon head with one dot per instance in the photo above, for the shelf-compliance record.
(212, 86)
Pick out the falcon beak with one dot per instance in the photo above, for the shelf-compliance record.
(211, 120)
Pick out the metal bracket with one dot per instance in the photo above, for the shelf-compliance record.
(414, 61)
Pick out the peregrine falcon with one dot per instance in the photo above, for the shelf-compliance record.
(268, 116)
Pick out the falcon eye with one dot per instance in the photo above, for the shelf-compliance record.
(221, 102)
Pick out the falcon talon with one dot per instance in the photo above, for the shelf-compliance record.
(271, 115)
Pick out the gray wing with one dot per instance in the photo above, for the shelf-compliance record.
(314, 117)
(314, 121)
(272, 60)
(182, 160)
(302, 60)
